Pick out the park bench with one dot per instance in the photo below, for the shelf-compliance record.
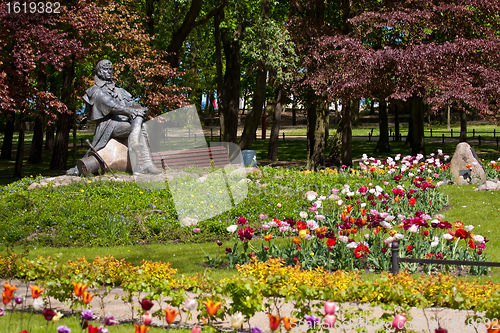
(205, 157)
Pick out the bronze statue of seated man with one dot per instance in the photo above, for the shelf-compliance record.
(117, 116)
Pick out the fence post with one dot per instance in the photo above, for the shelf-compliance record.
(473, 132)
(479, 137)
(283, 136)
(497, 141)
(431, 132)
(451, 135)
(395, 257)
(494, 133)
(211, 134)
(369, 137)
(443, 137)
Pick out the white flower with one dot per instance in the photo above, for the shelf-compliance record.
(399, 236)
(38, 304)
(386, 225)
(411, 174)
(401, 217)
(478, 238)
(390, 218)
(447, 237)
(320, 217)
(311, 224)
(191, 304)
(273, 224)
(439, 216)
(322, 198)
(389, 240)
(352, 245)
(383, 214)
(367, 236)
(318, 204)
(311, 197)
(363, 205)
(469, 227)
(236, 320)
(303, 215)
(413, 229)
(340, 202)
(232, 228)
(343, 239)
(364, 157)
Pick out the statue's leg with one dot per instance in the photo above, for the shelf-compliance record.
(147, 162)
(134, 139)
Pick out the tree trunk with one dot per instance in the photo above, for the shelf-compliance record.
(20, 149)
(230, 94)
(37, 142)
(372, 107)
(218, 66)
(8, 137)
(49, 136)
(316, 109)
(255, 116)
(383, 121)
(272, 154)
(346, 125)
(355, 112)
(60, 153)
(463, 126)
(396, 122)
(417, 113)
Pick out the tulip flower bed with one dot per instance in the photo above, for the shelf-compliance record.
(393, 200)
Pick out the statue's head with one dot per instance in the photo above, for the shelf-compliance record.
(105, 70)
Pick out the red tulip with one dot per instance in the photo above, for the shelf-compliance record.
(399, 321)
(8, 293)
(48, 314)
(146, 304)
(93, 329)
(274, 322)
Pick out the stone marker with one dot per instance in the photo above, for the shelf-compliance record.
(465, 154)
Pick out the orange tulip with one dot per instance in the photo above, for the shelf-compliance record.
(170, 314)
(141, 329)
(348, 208)
(274, 322)
(363, 211)
(296, 240)
(268, 237)
(289, 322)
(8, 293)
(212, 307)
(36, 291)
(87, 297)
(79, 288)
(397, 199)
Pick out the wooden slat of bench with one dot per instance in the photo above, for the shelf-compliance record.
(196, 157)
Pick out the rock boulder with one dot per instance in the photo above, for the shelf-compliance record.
(465, 166)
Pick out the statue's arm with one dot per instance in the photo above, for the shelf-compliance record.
(108, 105)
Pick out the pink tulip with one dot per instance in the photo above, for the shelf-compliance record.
(330, 320)
(330, 307)
(399, 321)
(147, 318)
(196, 329)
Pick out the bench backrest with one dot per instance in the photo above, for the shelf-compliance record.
(206, 157)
